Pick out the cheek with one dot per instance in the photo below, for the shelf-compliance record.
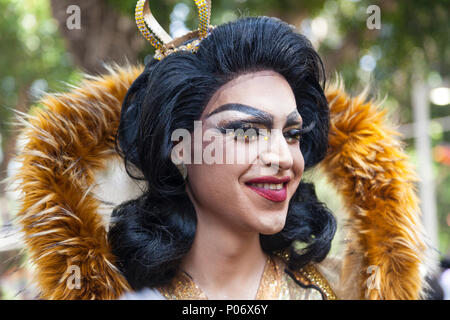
(213, 185)
(298, 165)
(216, 180)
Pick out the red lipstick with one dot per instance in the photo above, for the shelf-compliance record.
(270, 194)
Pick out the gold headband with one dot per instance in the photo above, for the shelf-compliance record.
(158, 37)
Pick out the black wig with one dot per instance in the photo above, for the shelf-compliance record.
(151, 234)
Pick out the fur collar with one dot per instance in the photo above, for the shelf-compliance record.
(69, 147)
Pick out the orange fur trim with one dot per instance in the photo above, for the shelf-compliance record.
(66, 142)
(369, 169)
(73, 135)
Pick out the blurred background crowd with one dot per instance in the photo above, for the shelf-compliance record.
(399, 50)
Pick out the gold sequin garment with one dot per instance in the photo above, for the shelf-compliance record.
(277, 283)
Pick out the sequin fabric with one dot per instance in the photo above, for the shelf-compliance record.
(277, 283)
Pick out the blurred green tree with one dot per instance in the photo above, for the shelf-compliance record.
(33, 59)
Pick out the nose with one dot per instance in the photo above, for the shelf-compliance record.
(277, 154)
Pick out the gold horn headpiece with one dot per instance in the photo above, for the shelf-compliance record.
(158, 37)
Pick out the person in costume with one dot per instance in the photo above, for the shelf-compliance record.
(172, 227)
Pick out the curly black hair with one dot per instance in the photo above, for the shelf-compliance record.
(151, 234)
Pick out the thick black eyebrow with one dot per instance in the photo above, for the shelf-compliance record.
(293, 118)
(259, 116)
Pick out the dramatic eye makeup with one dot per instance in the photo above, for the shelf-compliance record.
(243, 130)
(259, 123)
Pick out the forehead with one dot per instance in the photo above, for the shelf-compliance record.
(265, 90)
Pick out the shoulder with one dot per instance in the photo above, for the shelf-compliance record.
(312, 276)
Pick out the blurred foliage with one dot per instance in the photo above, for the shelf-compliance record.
(413, 39)
(33, 57)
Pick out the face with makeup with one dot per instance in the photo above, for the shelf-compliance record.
(250, 195)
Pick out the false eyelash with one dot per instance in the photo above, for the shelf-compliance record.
(245, 126)
(242, 129)
(304, 129)
(234, 126)
(293, 133)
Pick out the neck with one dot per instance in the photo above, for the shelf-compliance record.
(223, 261)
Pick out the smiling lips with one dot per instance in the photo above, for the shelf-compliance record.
(271, 188)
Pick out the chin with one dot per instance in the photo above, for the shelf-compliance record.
(272, 225)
